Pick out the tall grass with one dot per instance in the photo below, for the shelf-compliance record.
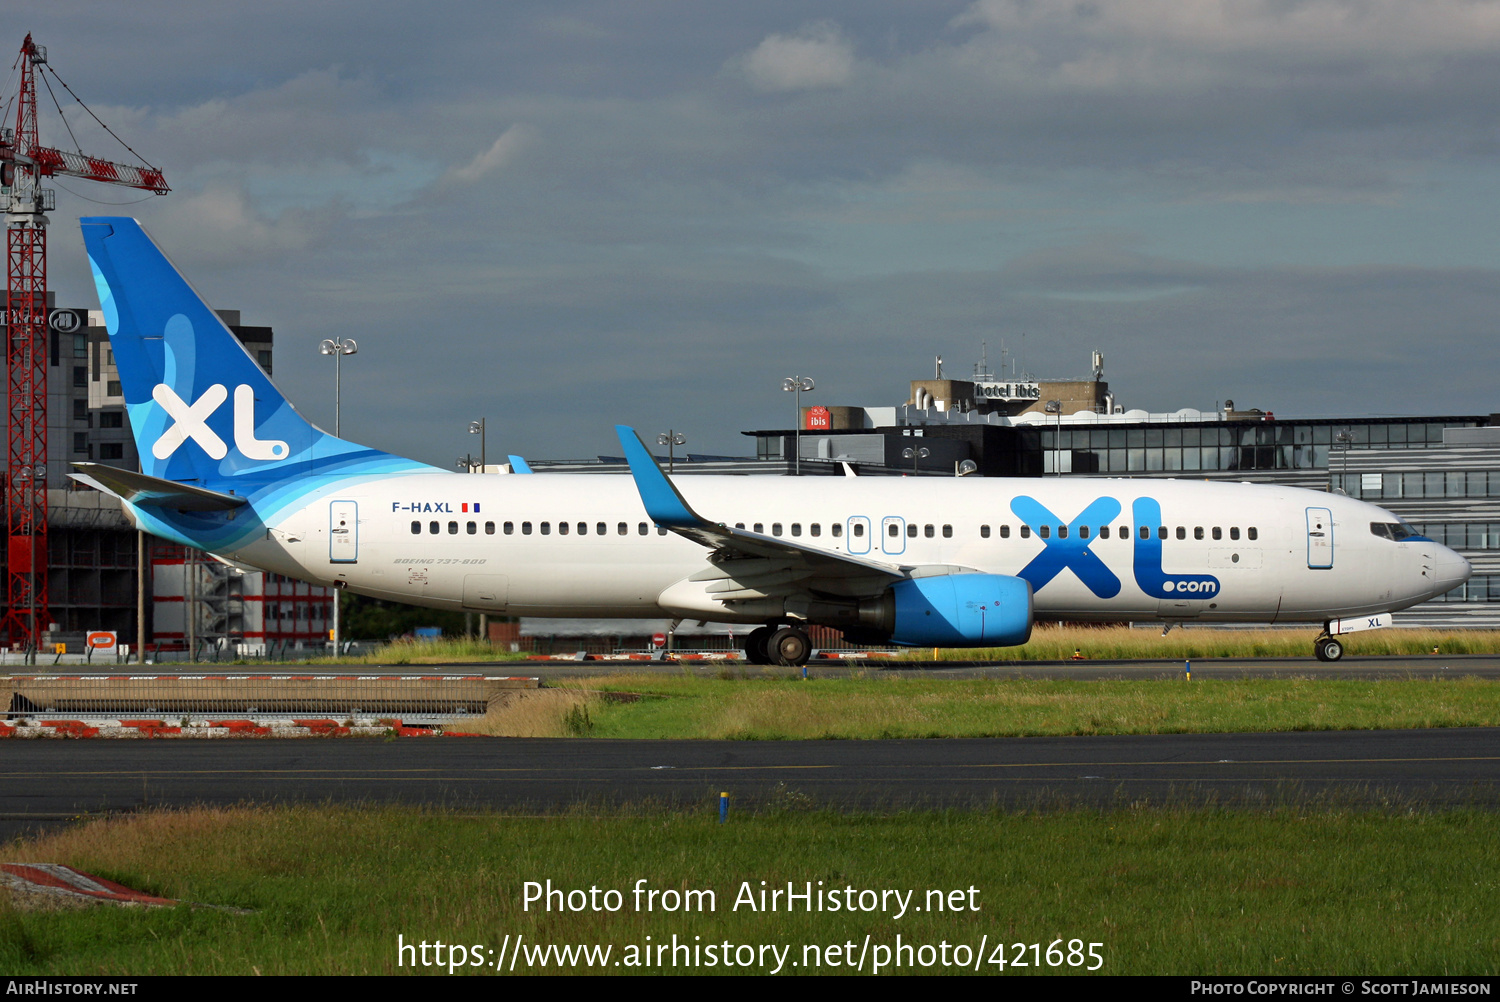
(1058, 643)
(426, 652)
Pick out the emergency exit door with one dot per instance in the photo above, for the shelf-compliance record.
(343, 532)
(1319, 538)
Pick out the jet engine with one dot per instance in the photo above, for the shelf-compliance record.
(954, 610)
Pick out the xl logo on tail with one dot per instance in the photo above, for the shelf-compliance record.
(190, 421)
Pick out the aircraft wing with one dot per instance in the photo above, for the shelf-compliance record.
(750, 564)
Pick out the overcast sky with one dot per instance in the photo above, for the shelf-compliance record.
(560, 216)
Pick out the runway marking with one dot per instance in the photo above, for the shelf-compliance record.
(346, 772)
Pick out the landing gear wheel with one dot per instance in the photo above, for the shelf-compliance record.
(789, 646)
(1328, 649)
(755, 646)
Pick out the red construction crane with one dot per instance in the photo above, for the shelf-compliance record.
(24, 161)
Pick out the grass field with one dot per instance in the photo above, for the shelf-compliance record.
(755, 703)
(1052, 643)
(1161, 890)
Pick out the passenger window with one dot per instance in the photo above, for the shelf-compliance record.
(473, 528)
(1161, 532)
(434, 528)
(817, 530)
(623, 528)
(760, 527)
(836, 529)
(1145, 532)
(1124, 532)
(601, 529)
(546, 528)
(1218, 532)
(1252, 532)
(984, 532)
(1045, 531)
(583, 528)
(562, 528)
(1005, 532)
(1083, 532)
(452, 528)
(1234, 532)
(775, 528)
(859, 528)
(927, 531)
(525, 528)
(947, 532)
(796, 528)
(1062, 532)
(1181, 532)
(1197, 532)
(911, 530)
(416, 528)
(642, 528)
(1025, 532)
(739, 525)
(661, 530)
(1103, 532)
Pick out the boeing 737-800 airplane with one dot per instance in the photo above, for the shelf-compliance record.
(231, 468)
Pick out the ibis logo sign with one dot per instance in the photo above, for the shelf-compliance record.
(190, 421)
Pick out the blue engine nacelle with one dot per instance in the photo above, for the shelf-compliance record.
(961, 610)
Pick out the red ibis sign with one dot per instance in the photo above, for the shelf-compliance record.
(102, 640)
(818, 419)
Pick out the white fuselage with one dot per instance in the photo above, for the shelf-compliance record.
(1231, 552)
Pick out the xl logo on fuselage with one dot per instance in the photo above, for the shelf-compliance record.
(190, 421)
(1071, 551)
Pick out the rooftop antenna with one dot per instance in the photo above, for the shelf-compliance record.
(939, 368)
(982, 370)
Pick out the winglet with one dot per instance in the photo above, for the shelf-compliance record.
(663, 502)
(518, 465)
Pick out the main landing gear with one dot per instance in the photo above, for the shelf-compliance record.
(1328, 648)
(788, 646)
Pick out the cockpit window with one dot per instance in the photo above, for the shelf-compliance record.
(1395, 531)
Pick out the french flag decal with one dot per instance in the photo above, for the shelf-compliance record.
(475, 509)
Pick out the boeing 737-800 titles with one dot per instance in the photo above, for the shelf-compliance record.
(228, 466)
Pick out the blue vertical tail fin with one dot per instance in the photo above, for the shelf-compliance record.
(201, 409)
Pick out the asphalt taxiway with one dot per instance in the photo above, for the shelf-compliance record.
(44, 784)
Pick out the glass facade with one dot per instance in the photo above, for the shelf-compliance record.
(1257, 445)
(1430, 484)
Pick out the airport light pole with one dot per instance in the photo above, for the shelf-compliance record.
(797, 385)
(671, 439)
(1055, 407)
(915, 454)
(1344, 438)
(477, 428)
(338, 348)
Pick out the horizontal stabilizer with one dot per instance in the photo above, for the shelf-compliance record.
(137, 488)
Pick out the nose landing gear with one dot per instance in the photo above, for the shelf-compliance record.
(1328, 648)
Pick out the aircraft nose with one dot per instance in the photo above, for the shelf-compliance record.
(1449, 570)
